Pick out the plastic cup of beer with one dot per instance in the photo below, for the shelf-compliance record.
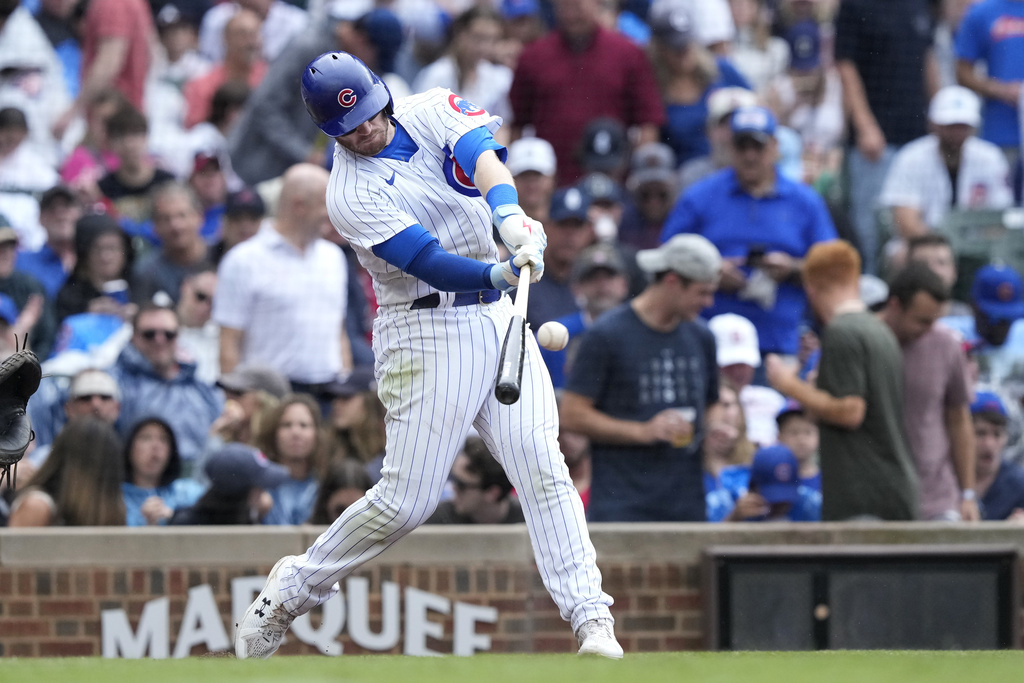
(690, 415)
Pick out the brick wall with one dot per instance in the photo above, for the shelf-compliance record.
(55, 583)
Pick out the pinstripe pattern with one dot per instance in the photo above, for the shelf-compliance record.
(436, 370)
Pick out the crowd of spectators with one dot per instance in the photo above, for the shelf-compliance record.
(747, 205)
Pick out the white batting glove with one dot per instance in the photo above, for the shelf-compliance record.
(516, 228)
(505, 275)
(534, 255)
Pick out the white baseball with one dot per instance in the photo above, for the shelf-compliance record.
(553, 336)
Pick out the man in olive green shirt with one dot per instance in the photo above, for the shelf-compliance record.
(866, 468)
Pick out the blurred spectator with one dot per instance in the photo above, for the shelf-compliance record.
(244, 211)
(240, 477)
(727, 453)
(604, 148)
(808, 98)
(91, 393)
(274, 130)
(569, 231)
(98, 283)
(713, 25)
(154, 383)
(867, 469)
(721, 105)
(524, 23)
(554, 81)
(290, 435)
(376, 38)
(763, 223)
(179, 61)
(739, 357)
(886, 68)
(117, 41)
(757, 54)
(949, 169)
(80, 484)
(653, 184)
(936, 396)
(242, 62)
(607, 205)
(934, 250)
(950, 16)
(344, 483)
(687, 73)
(483, 493)
(209, 182)
(251, 391)
(22, 167)
(31, 78)
(59, 21)
(989, 36)
(798, 431)
(177, 221)
(531, 161)
(211, 136)
(467, 68)
(199, 336)
(356, 420)
(153, 487)
(35, 316)
(1000, 483)
(303, 335)
(92, 158)
(59, 211)
(643, 376)
(280, 22)
(774, 492)
(128, 187)
(599, 284)
(994, 332)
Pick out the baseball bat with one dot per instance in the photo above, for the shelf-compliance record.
(513, 351)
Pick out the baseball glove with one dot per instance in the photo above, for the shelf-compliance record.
(19, 379)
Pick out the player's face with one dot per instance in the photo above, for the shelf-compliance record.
(989, 443)
(369, 138)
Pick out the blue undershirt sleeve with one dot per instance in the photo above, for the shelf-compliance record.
(471, 145)
(418, 253)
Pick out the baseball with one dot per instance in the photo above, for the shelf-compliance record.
(553, 336)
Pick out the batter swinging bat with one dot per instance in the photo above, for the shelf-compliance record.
(513, 351)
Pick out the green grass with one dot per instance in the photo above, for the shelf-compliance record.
(818, 667)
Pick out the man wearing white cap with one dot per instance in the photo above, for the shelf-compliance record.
(531, 161)
(948, 169)
(643, 375)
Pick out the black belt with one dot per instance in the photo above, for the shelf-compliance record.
(487, 296)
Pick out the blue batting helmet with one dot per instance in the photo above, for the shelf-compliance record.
(340, 93)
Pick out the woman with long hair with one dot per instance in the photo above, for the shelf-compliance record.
(727, 454)
(291, 436)
(153, 487)
(344, 482)
(687, 74)
(99, 281)
(80, 482)
(356, 422)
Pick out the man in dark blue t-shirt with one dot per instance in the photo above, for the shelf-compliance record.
(999, 484)
(642, 377)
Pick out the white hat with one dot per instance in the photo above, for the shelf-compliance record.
(531, 154)
(736, 340)
(692, 256)
(94, 382)
(725, 101)
(955, 104)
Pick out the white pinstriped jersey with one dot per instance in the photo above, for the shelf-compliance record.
(372, 199)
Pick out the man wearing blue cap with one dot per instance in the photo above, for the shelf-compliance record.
(763, 224)
(1000, 484)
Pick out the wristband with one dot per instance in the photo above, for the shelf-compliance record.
(968, 494)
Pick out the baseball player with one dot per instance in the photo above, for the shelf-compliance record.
(415, 188)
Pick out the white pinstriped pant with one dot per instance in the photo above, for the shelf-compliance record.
(436, 370)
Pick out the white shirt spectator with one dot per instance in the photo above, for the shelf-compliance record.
(283, 22)
(289, 305)
(201, 345)
(918, 178)
(489, 91)
(820, 127)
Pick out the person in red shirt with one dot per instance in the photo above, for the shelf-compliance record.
(580, 72)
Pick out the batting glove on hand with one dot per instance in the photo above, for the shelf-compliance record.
(517, 229)
(505, 275)
(534, 255)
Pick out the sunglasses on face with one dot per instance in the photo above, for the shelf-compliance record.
(151, 335)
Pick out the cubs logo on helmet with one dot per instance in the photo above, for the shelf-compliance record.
(464, 106)
(457, 178)
(347, 97)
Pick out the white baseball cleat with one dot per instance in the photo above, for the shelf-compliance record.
(596, 637)
(264, 622)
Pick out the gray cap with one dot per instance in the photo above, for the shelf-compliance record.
(600, 256)
(692, 256)
(250, 377)
(237, 468)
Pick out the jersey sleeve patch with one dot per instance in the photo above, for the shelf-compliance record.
(464, 106)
